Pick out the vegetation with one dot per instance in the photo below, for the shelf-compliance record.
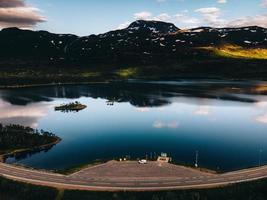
(234, 51)
(74, 106)
(90, 74)
(127, 73)
(11, 190)
(16, 138)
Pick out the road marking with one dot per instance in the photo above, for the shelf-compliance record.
(130, 183)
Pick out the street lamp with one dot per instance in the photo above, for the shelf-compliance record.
(196, 161)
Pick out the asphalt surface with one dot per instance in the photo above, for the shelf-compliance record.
(131, 176)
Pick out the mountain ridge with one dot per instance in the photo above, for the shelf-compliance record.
(144, 48)
(139, 38)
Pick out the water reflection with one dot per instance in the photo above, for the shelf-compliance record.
(24, 115)
(225, 121)
(203, 110)
(161, 124)
(138, 93)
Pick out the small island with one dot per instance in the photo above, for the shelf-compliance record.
(17, 139)
(71, 107)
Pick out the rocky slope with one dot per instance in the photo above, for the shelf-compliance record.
(142, 40)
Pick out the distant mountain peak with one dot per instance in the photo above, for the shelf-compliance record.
(155, 26)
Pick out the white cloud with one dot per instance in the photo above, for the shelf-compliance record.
(124, 25)
(143, 15)
(258, 20)
(149, 16)
(186, 21)
(222, 1)
(211, 16)
(162, 17)
(209, 12)
(208, 16)
(264, 3)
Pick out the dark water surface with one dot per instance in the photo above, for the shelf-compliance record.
(225, 121)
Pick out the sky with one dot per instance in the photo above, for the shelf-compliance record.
(85, 17)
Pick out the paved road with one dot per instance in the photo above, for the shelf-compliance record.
(129, 176)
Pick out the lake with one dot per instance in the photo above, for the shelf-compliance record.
(225, 121)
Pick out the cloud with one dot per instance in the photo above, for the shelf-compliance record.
(258, 20)
(124, 25)
(222, 1)
(16, 13)
(162, 17)
(170, 125)
(186, 21)
(11, 3)
(264, 3)
(208, 16)
(149, 16)
(143, 15)
(209, 12)
(211, 16)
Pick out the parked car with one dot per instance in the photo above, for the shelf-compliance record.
(143, 161)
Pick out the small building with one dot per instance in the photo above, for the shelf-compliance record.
(164, 158)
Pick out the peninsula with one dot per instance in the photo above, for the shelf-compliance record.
(16, 139)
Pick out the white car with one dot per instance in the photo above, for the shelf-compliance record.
(143, 161)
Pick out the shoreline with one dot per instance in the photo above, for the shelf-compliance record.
(127, 80)
(50, 84)
(21, 151)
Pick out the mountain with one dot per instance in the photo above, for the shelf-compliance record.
(142, 39)
(33, 44)
(152, 48)
(156, 27)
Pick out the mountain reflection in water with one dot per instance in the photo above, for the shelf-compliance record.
(140, 94)
(225, 121)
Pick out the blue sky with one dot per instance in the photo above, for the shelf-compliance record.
(83, 17)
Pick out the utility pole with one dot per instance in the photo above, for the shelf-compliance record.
(196, 161)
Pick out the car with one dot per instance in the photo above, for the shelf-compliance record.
(143, 161)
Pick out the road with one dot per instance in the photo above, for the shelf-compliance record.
(130, 176)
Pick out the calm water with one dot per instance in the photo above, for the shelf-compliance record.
(225, 121)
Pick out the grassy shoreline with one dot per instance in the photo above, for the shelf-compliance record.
(212, 66)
